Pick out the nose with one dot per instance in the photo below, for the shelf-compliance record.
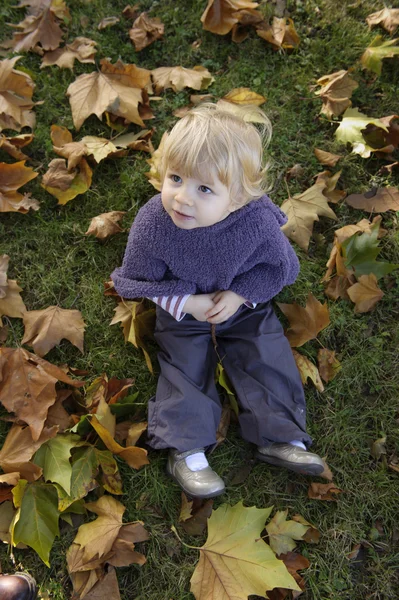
(182, 196)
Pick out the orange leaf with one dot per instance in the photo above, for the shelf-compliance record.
(305, 323)
(45, 329)
(323, 491)
(135, 457)
(365, 293)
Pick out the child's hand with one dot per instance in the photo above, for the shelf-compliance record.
(226, 305)
(198, 305)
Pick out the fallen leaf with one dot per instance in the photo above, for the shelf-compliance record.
(331, 181)
(312, 535)
(135, 457)
(247, 18)
(236, 559)
(54, 458)
(219, 16)
(65, 185)
(378, 448)
(44, 329)
(388, 18)
(305, 323)
(194, 515)
(84, 471)
(329, 365)
(117, 89)
(365, 293)
(323, 491)
(378, 50)
(16, 91)
(12, 177)
(326, 158)
(12, 145)
(98, 147)
(224, 423)
(105, 225)
(350, 131)
(381, 200)
(282, 533)
(107, 22)
(145, 31)
(28, 386)
(153, 175)
(281, 34)
(11, 304)
(308, 370)
(130, 12)
(135, 432)
(57, 415)
(244, 96)
(137, 323)
(178, 78)
(303, 210)
(81, 49)
(7, 513)
(336, 90)
(123, 554)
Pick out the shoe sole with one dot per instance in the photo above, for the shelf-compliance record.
(190, 494)
(297, 468)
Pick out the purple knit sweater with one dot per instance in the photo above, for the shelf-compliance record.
(246, 252)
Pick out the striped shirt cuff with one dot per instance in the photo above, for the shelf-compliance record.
(172, 304)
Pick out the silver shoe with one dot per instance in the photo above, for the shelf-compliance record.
(198, 484)
(291, 457)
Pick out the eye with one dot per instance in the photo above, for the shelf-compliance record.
(205, 190)
(175, 178)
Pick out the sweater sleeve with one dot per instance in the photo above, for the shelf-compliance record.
(143, 273)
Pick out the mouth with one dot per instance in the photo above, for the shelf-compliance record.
(182, 216)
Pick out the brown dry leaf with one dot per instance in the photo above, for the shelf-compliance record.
(331, 181)
(247, 18)
(44, 329)
(12, 145)
(388, 18)
(4, 260)
(326, 158)
(326, 474)
(107, 22)
(312, 535)
(308, 370)
(294, 562)
(135, 141)
(305, 323)
(27, 387)
(12, 177)
(39, 27)
(303, 210)
(12, 304)
(323, 491)
(16, 90)
(281, 33)
(18, 449)
(125, 555)
(221, 15)
(135, 457)
(57, 415)
(137, 323)
(130, 12)
(65, 185)
(99, 147)
(365, 293)
(134, 433)
(224, 423)
(329, 365)
(244, 96)
(106, 588)
(118, 89)
(335, 92)
(145, 31)
(106, 224)
(154, 162)
(81, 49)
(84, 581)
(194, 515)
(177, 78)
(379, 200)
(295, 172)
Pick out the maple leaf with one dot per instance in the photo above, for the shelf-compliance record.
(27, 387)
(118, 89)
(145, 31)
(12, 177)
(308, 370)
(378, 50)
(194, 514)
(387, 17)
(81, 49)
(323, 491)
(330, 182)
(12, 145)
(282, 533)
(234, 562)
(365, 293)
(281, 34)
(383, 142)
(221, 15)
(177, 78)
(379, 200)
(247, 18)
(336, 90)
(245, 96)
(106, 224)
(4, 260)
(54, 458)
(350, 131)
(135, 457)
(329, 365)
(65, 185)
(11, 304)
(16, 91)
(18, 449)
(305, 323)
(326, 158)
(303, 210)
(137, 322)
(294, 562)
(44, 329)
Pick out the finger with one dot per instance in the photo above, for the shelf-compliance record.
(219, 318)
(215, 310)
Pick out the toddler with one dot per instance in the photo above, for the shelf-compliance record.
(208, 250)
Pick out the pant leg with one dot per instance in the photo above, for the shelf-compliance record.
(260, 364)
(186, 410)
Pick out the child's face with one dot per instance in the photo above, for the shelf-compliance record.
(192, 203)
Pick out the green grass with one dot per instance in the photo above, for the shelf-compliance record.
(55, 263)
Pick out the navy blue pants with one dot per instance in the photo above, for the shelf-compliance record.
(185, 412)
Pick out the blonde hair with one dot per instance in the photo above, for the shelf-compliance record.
(225, 139)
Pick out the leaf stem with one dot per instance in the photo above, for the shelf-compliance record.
(173, 528)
